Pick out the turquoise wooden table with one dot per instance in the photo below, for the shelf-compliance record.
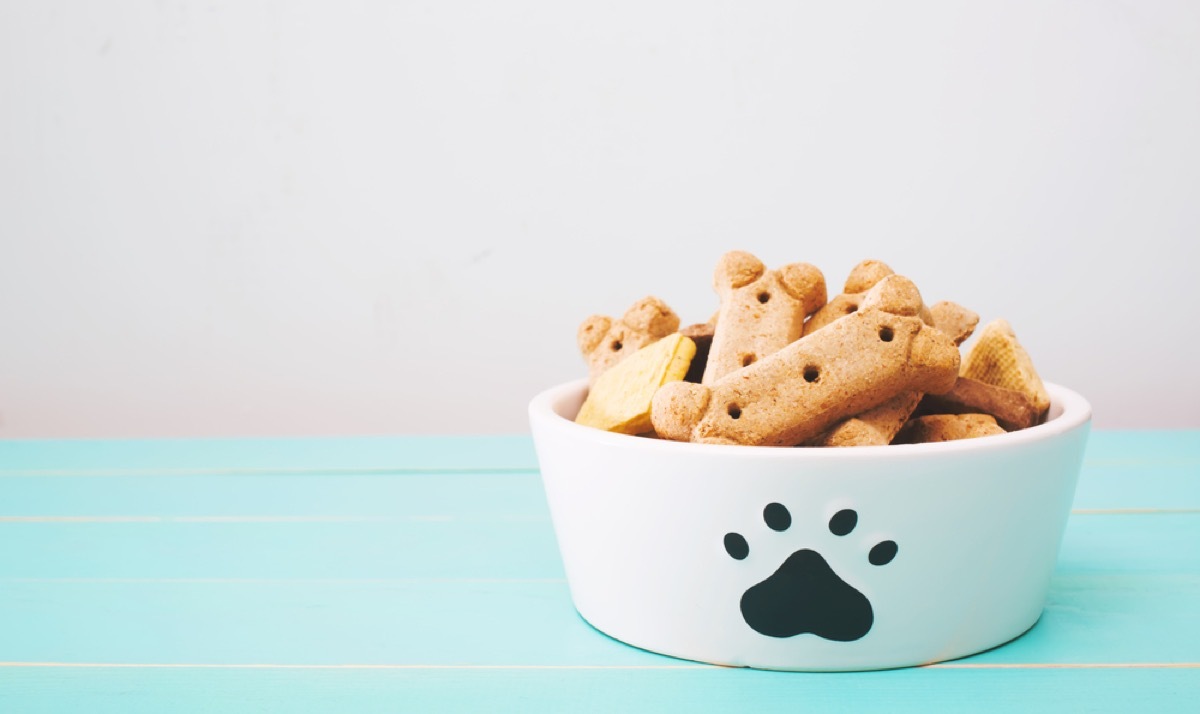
(421, 574)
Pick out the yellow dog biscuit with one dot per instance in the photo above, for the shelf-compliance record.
(620, 399)
(859, 362)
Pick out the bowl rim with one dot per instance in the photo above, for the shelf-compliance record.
(1076, 412)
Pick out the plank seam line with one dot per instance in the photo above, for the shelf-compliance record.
(444, 518)
(410, 471)
(1132, 511)
(279, 581)
(1067, 665)
(1134, 461)
(431, 518)
(172, 665)
(120, 473)
(200, 665)
(432, 471)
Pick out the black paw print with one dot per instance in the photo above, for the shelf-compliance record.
(804, 595)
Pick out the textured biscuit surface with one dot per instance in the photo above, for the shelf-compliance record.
(955, 320)
(874, 427)
(620, 398)
(879, 425)
(856, 363)
(862, 278)
(762, 311)
(604, 341)
(998, 359)
(947, 427)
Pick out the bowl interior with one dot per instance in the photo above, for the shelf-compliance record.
(1068, 410)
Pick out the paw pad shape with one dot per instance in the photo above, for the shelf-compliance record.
(805, 595)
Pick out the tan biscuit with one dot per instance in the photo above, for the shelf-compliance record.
(1011, 409)
(862, 278)
(866, 275)
(604, 342)
(699, 331)
(874, 427)
(878, 426)
(762, 311)
(620, 399)
(947, 427)
(796, 393)
(998, 359)
(702, 335)
(955, 320)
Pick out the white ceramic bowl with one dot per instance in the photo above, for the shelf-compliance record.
(809, 558)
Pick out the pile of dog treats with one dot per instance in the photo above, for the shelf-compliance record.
(779, 364)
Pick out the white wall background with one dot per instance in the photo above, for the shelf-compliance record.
(302, 217)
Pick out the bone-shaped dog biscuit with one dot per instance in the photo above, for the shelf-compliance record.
(862, 278)
(762, 311)
(955, 320)
(874, 427)
(855, 364)
(1012, 410)
(879, 425)
(947, 427)
(604, 342)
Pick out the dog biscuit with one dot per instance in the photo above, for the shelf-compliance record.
(862, 278)
(874, 427)
(762, 311)
(604, 342)
(947, 427)
(1011, 409)
(955, 320)
(878, 426)
(620, 399)
(859, 362)
(998, 359)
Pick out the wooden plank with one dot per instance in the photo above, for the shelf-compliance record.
(1130, 486)
(703, 690)
(1142, 447)
(408, 553)
(1139, 449)
(1090, 618)
(388, 454)
(425, 495)
(1110, 543)
(1121, 471)
(476, 494)
(452, 547)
